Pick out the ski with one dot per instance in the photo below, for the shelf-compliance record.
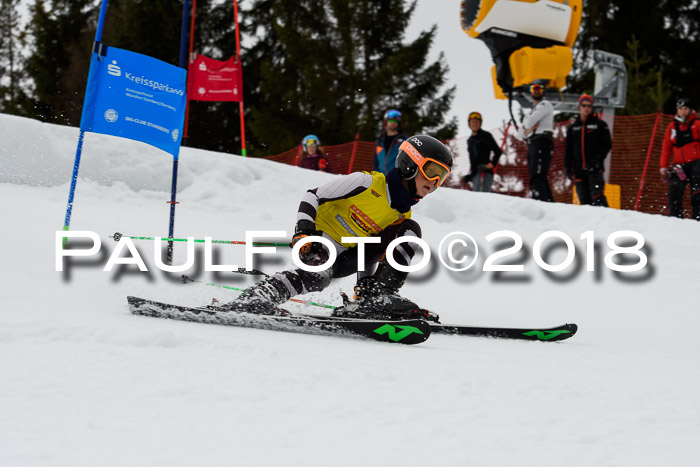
(412, 331)
(558, 333)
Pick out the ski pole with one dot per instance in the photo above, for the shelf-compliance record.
(117, 236)
(186, 279)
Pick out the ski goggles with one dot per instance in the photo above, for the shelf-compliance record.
(475, 115)
(536, 88)
(393, 115)
(430, 168)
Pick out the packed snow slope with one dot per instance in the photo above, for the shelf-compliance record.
(85, 383)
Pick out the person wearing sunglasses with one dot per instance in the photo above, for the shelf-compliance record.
(538, 130)
(361, 204)
(588, 143)
(389, 141)
(682, 150)
(483, 155)
(312, 156)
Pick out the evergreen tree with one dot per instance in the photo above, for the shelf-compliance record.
(13, 98)
(666, 32)
(148, 27)
(646, 89)
(680, 58)
(62, 34)
(333, 67)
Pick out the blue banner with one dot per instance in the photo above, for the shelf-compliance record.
(137, 97)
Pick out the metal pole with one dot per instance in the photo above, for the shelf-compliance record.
(354, 151)
(173, 187)
(81, 137)
(185, 134)
(646, 163)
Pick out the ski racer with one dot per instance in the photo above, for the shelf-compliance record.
(682, 138)
(361, 204)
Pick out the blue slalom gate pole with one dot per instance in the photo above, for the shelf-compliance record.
(79, 149)
(173, 187)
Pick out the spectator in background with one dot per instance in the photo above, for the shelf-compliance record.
(483, 155)
(588, 143)
(538, 130)
(683, 139)
(312, 156)
(388, 142)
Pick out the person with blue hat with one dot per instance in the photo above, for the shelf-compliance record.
(312, 156)
(388, 143)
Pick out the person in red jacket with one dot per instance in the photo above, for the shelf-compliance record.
(682, 139)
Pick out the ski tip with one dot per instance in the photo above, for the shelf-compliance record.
(554, 334)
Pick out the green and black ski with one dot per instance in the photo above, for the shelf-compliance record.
(412, 331)
(558, 333)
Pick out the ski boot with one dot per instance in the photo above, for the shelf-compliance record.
(376, 297)
(262, 298)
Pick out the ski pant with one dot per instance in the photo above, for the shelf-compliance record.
(540, 150)
(676, 190)
(482, 181)
(299, 282)
(590, 188)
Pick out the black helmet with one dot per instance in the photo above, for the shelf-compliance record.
(427, 154)
(682, 102)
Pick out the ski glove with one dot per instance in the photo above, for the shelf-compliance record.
(312, 253)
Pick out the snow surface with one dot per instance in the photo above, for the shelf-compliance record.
(83, 382)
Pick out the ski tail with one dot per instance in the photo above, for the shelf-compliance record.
(402, 332)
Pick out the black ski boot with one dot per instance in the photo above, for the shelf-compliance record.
(377, 298)
(262, 298)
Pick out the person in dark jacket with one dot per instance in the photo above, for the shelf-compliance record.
(483, 155)
(588, 143)
(312, 156)
(388, 143)
(682, 138)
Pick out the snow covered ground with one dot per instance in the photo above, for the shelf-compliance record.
(83, 382)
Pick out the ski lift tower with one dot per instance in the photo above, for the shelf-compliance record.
(609, 92)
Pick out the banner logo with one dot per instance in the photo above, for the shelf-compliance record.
(111, 115)
(113, 69)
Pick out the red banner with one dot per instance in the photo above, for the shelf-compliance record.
(213, 80)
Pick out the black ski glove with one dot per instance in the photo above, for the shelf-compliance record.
(312, 253)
